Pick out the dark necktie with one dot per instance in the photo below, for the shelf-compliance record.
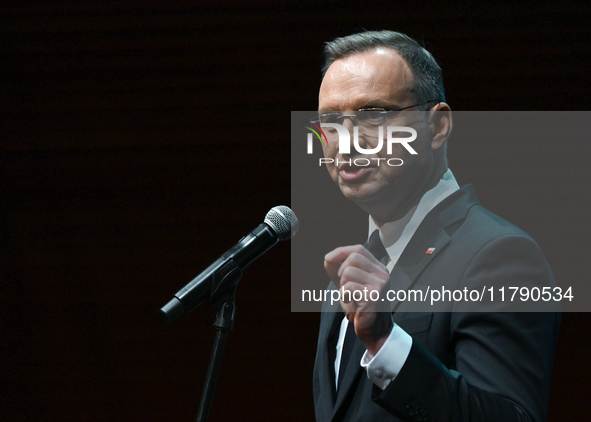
(376, 247)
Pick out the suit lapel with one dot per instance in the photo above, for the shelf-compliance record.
(415, 258)
(430, 239)
(329, 330)
(352, 374)
(330, 322)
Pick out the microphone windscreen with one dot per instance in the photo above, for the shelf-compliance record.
(283, 221)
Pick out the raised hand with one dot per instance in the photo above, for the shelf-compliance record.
(361, 279)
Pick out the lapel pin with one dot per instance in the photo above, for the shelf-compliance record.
(430, 251)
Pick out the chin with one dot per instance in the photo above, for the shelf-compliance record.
(358, 194)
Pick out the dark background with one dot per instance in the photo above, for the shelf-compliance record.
(141, 139)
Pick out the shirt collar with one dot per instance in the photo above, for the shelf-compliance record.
(395, 235)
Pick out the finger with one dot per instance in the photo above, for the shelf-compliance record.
(340, 254)
(332, 269)
(356, 255)
(357, 296)
(334, 259)
(362, 262)
(374, 280)
(351, 292)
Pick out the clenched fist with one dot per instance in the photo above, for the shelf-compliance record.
(359, 275)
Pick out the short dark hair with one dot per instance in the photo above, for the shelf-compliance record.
(427, 73)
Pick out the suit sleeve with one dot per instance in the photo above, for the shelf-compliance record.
(503, 360)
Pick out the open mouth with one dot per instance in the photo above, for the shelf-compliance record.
(352, 172)
(350, 168)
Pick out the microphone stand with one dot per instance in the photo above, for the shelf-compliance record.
(224, 322)
(220, 280)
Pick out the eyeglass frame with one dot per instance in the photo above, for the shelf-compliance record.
(353, 117)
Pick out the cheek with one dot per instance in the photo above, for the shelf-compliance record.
(330, 150)
(415, 167)
(404, 149)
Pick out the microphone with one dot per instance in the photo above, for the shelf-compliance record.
(219, 280)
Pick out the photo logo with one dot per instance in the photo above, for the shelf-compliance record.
(316, 131)
(341, 133)
(344, 138)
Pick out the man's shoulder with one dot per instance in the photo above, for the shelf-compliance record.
(461, 214)
(488, 224)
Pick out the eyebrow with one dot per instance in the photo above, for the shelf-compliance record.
(381, 104)
(373, 104)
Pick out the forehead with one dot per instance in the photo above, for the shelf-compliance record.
(379, 77)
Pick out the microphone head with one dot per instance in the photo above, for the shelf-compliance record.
(283, 221)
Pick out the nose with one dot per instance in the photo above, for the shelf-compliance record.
(362, 134)
(348, 120)
(357, 135)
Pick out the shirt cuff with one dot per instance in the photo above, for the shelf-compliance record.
(387, 363)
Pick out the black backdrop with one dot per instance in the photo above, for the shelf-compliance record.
(141, 139)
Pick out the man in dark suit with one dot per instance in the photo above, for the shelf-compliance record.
(426, 232)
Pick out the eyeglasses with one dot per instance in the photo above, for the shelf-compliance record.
(366, 117)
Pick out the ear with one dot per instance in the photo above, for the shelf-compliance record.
(441, 125)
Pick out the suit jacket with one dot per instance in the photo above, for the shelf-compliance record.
(463, 366)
